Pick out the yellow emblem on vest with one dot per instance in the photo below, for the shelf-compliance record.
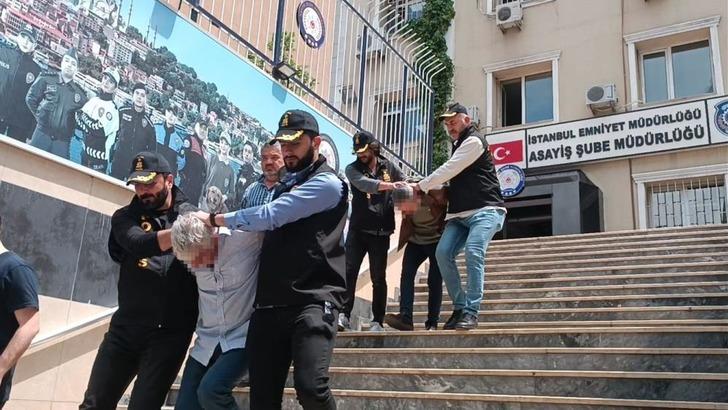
(386, 177)
(143, 263)
(146, 226)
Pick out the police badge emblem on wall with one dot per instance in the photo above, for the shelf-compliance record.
(721, 117)
(512, 180)
(311, 24)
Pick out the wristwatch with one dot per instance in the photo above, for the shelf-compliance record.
(212, 220)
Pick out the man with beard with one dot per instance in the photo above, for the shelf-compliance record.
(53, 99)
(220, 174)
(301, 280)
(18, 71)
(194, 173)
(372, 178)
(261, 191)
(170, 141)
(98, 123)
(136, 133)
(150, 332)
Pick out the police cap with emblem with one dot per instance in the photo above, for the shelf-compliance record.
(294, 123)
(362, 141)
(146, 166)
(29, 31)
(453, 110)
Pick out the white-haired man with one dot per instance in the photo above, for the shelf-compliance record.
(226, 279)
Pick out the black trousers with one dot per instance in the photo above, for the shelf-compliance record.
(414, 255)
(5, 384)
(153, 355)
(359, 244)
(20, 133)
(303, 335)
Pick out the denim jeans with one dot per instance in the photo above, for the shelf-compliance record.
(211, 387)
(414, 255)
(472, 234)
(48, 143)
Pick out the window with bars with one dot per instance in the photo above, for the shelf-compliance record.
(699, 201)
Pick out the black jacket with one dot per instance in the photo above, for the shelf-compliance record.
(303, 262)
(477, 185)
(136, 134)
(155, 288)
(18, 71)
(373, 211)
(54, 104)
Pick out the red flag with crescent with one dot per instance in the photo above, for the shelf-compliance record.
(507, 152)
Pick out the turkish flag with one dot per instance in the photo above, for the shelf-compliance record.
(507, 152)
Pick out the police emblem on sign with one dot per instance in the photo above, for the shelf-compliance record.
(721, 117)
(29, 78)
(512, 180)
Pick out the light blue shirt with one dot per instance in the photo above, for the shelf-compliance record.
(318, 194)
(226, 294)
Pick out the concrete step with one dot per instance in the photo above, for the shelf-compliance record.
(661, 336)
(492, 268)
(676, 299)
(708, 387)
(635, 251)
(599, 290)
(576, 272)
(615, 236)
(385, 399)
(713, 238)
(591, 314)
(572, 358)
(584, 323)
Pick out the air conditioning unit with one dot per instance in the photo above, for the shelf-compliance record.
(602, 98)
(374, 48)
(348, 95)
(473, 114)
(509, 14)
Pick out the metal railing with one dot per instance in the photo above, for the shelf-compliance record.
(371, 71)
(699, 201)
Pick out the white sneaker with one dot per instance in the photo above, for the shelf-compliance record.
(375, 327)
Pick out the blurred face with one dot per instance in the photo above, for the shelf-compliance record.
(108, 85)
(139, 98)
(271, 162)
(154, 196)
(170, 117)
(201, 255)
(26, 44)
(365, 157)
(456, 125)
(69, 67)
(224, 147)
(300, 153)
(201, 131)
(247, 154)
(409, 207)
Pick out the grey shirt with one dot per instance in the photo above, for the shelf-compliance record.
(226, 294)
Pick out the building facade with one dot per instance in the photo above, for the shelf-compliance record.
(616, 110)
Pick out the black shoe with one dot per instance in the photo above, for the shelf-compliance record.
(398, 322)
(467, 322)
(430, 326)
(454, 318)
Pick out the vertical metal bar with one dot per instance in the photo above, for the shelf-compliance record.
(431, 136)
(277, 46)
(362, 73)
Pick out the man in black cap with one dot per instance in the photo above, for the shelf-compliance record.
(475, 213)
(18, 71)
(54, 99)
(136, 133)
(301, 280)
(151, 331)
(372, 178)
(220, 174)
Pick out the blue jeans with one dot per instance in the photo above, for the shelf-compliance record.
(48, 143)
(210, 387)
(472, 234)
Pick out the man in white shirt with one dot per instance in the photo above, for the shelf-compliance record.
(475, 213)
(226, 278)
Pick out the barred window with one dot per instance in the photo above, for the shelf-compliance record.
(698, 201)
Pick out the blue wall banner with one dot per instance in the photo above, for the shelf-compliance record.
(95, 82)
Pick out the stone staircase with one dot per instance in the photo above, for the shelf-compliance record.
(634, 319)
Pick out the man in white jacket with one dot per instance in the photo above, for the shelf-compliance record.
(98, 122)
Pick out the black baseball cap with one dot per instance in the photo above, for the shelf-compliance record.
(362, 139)
(294, 123)
(146, 166)
(453, 110)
